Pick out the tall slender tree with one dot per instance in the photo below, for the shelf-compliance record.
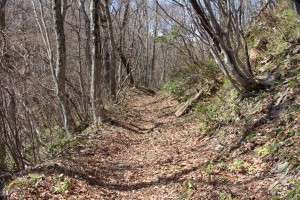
(106, 51)
(120, 49)
(113, 52)
(60, 70)
(2, 143)
(88, 62)
(152, 67)
(96, 92)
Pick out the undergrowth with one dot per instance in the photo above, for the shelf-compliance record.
(278, 29)
(185, 82)
(269, 118)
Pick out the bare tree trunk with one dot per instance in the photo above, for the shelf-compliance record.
(60, 72)
(2, 154)
(126, 64)
(146, 61)
(87, 34)
(113, 52)
(163, 75)
(88, 62)
(105, 45)
(120, 50)
(84, 97)
(106, 61)
(2, 143)
(2, 14)
(97, 68)
(296, 4)
(227, 41)
(9, 125)
(249, 10)
(154, 44)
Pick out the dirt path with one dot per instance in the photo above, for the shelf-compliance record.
(150, 151)
(145, 152)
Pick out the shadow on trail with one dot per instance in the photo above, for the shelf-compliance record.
(99, 181)
(134, 128)
(165, 180)
(124, 126)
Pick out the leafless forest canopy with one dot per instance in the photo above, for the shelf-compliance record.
(65, 63)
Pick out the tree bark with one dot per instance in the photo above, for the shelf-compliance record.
(60, 71)
(99, 114)
(146, 63)
(105, 47)
(2, 14)
(296, 4)
(126, 64)
(88, 62)
(2, 154)
(2, 143)
(152, 67)
(120, 50)
(227, 42)
(113, 52)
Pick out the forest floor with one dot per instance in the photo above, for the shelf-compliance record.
(145, 152)
(227, 149)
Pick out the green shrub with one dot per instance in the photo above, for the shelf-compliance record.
(184, 82)
(63, 184)
(294, 194)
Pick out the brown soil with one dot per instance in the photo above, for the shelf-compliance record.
(145, 152)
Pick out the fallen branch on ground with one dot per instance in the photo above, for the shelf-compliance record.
(187, 105)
